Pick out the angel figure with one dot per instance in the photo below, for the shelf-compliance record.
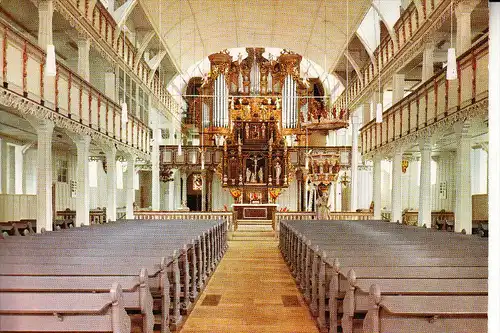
(323, 208)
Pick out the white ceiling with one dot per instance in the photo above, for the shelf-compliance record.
(194, 29)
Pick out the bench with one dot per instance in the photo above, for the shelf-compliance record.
(315, 249)
(64, 312)
(433, 314)
(87, 253)
(136, 291)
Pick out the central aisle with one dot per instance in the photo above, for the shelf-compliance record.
(252, 290)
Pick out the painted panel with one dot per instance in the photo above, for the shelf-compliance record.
(14, 207)
(441, 103)
(413, 115)
(94, 112)
(482, 77)
(15, 67)
(75, 102)
(62, 96)
(452, 95)
(397, 129)
(49, 90)
(466, 86)
(33, 78)
(431, 107)
(85, 106)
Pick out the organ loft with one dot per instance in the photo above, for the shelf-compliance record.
(199, 166)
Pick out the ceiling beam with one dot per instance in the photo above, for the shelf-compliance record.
(143, 45)
(390, 29)
(121, 15)
(154, 63)
(354, 64)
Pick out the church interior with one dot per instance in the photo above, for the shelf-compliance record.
(201, 166)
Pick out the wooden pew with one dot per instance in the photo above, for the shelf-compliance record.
(321, 279)
(64, 312)
(433, 314)
(357, 298)
(94, 243)
(136, 291)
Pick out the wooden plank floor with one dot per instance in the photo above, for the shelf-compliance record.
(251, 291)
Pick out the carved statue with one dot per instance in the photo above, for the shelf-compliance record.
(249, 175)
(261, 175)
(323, 208)
(278, 172)
(263, 129)
(247, 135)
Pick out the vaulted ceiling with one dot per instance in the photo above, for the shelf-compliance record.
(316, 29)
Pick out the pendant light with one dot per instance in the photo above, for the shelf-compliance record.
(451, 69)
(179, 148)
(379, 113)
(124, 103)
(50, 61)
(379, 109)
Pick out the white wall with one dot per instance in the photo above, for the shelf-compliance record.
(288, 197)
(220, 196)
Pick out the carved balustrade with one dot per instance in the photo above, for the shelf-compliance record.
(434, 105)
(191, 155)
(411, 31)
(182, 215)
(66, 98)
(92, 19)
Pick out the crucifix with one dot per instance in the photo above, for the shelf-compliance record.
(255, 159)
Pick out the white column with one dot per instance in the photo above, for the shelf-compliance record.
(155, 167)
(82, 179)
(398, 87)
(184, 189)
(377, 187)
(493, 163)
(110, 85)
(424, 202)
(413, 196)
(45, 13)
(463, 208)
(428, 61)
(129, 185)
(463, 12)
(44, 129)
(203, 191)
(4, 150)
(396, 187)
(84, 58)
(111, 183)
(354, 163)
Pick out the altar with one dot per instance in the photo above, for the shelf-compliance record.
(248, 213)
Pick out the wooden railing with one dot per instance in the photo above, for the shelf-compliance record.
(14, 207)
(99, 24)
(409, 27)
(96, 216)
(433, 101)
(67, 95)
(336, 216)
(191, 156)
(177, 215)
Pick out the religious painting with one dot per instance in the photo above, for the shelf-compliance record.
(255, 197)
(197, 182)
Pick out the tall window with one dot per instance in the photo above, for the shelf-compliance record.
(119, 175)
(93, 173)
(62, 171)
(143, 105)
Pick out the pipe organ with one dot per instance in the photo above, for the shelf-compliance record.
(290, 103)
(260, 86)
